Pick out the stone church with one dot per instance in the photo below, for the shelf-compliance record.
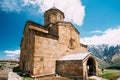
(55, 48)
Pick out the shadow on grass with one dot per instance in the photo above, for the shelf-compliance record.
(20, 73)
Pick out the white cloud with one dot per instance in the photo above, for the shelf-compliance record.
(15, 52)
(11, 5)
(110, 36)
(73, 9)
(97, 31)
(10, 55)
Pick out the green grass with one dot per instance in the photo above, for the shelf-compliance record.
(27, 78)
(110, 74)
(1, 67)
(91, 79)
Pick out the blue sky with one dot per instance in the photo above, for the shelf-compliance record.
(97, 20)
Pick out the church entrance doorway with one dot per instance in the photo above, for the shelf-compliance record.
(91, 67)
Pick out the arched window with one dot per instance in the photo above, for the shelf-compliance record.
(72, 43)
(52, 18)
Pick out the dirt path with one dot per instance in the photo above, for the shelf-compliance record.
(97, 78)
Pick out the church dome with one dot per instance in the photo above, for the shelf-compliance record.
(53, 15)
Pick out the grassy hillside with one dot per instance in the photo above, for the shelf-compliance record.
(110, 74)
(102, 64)
(116, 61)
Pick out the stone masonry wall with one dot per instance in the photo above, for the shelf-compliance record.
(40, 50)
(66, 33)
(48, 50)
(27, 50)
(69, 68)
(83, 48)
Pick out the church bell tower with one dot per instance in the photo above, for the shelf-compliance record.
(52, 16)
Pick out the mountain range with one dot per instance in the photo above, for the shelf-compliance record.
(108, 55)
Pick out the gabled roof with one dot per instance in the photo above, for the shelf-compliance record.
(68, 23)
(77, 56)
(36, 26)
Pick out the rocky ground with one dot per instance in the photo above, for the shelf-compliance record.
(8, 74)
(5, 69)
(4, 74)
(13, 76)
(118, 79)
